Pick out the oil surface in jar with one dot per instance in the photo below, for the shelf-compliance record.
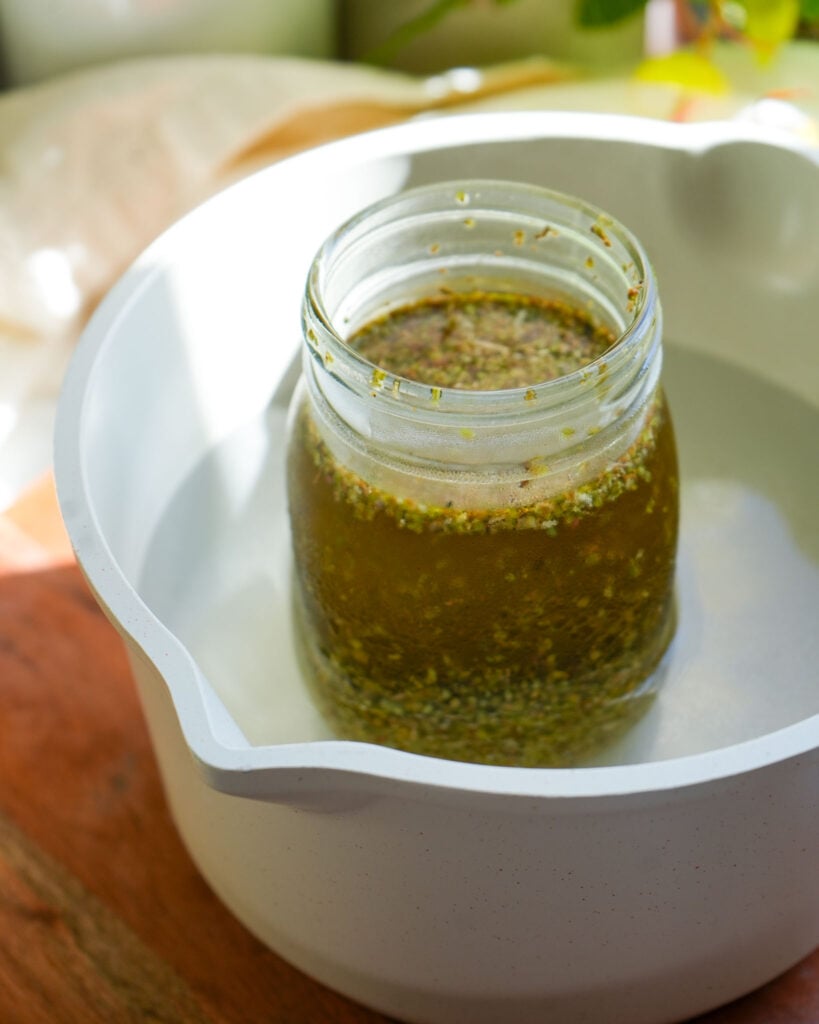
(482, 342)
(521, 635)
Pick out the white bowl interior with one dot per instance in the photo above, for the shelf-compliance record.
(183, 425)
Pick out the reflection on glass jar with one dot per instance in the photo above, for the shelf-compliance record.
(482, 477)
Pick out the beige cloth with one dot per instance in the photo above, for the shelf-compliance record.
(96, 164)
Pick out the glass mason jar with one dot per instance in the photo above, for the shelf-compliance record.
(482, 575)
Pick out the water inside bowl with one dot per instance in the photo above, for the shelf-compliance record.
(217, 571)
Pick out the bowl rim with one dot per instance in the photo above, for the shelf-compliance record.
(273, 771)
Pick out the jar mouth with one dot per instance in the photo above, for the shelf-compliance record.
(533, 232)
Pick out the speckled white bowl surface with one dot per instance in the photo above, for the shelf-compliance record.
(679, 870)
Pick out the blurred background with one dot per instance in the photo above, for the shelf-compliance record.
(42, 38)
(118, 116)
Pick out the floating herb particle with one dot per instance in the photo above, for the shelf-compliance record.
(596, 229)
(536, 466)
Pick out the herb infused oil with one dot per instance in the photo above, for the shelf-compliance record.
(482, 478)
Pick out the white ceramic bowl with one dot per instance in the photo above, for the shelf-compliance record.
(673, 875)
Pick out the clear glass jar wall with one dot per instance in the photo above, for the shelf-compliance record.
(483, 573)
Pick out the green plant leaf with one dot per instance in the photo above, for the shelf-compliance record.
(404, 34)
(687, 69)
(769, 22)
(598, 13)
(810, 9)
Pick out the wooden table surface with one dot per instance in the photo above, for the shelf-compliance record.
(103, 917)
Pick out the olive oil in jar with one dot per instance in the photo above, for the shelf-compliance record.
(485, 536)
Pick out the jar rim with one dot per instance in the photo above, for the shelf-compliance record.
(607, 234)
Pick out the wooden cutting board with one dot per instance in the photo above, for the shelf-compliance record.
(103, 917)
